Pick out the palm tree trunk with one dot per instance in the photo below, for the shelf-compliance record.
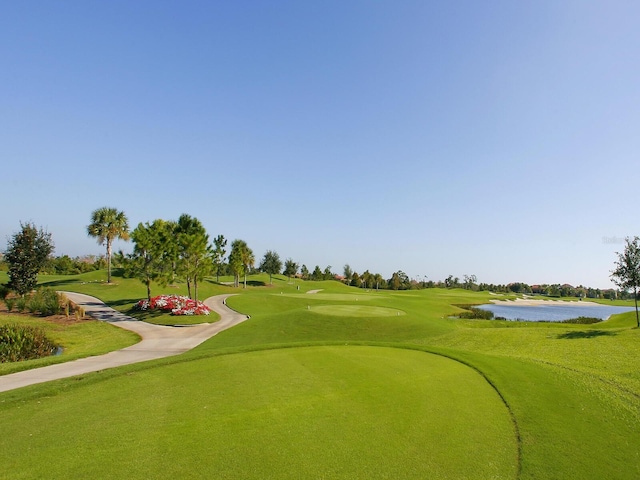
(108, 261)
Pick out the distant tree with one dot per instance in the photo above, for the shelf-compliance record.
(107, 224)
(304, 272)
(367, 279)
(317, 273)
(348, 274)
(218, 254)
(626, 274)
(378, 281)
(290, 268)
(271, 264)
(27, 252)
(356, 281)
(469, 281)
(327, 274)
(394, 282)
(194, 252)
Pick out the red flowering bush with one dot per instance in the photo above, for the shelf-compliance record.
(175, 304)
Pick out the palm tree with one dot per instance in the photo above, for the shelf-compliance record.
(107, 224)
(248, 261)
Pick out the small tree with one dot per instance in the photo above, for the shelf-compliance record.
(107, 224)
(290, 268)
(271, 264)
(27, 252)
(626, 275)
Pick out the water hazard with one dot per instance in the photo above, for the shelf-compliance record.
(554, 312)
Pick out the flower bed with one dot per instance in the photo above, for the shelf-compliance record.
(174, 304)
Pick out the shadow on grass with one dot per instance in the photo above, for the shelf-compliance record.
(586, 334)
(58, 283)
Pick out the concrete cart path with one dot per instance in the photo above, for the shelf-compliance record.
(158, 341)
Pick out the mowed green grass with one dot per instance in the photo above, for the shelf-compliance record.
(571, 392)
(315, 412)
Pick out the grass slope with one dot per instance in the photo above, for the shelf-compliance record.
(557, 401)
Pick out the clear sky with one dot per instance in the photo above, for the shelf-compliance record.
(497, 138)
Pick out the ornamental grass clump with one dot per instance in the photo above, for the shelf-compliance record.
(174, 304)
(21, 342)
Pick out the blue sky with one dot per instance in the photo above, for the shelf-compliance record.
(491, 138)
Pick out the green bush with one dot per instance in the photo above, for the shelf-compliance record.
(583, 320)
(10, 303)
(21, 304)
(475, 313)
(46, 302)
(19, 342)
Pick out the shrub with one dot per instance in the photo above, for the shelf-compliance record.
(19, 342)
(472, 312)
(21, 304)
(583, 320)
(46, 302)
(10, 303)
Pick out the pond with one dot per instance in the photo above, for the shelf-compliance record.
(554, 311)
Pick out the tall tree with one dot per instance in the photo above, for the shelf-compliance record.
(219, 252)
(626, 275)
(271, 264)
(27, 252)
(241, 259)
(151, 259)
(107, 224)
(195, 253)
(290, 268)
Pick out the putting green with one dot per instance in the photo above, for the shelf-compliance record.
(313, 412)
(356, 311)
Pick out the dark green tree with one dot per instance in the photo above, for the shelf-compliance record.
(194, 252)
(107, 224)
(27, 252)
(290, 268)
(151, 260)
(328, 274)
(219, 252)
(626, 275)
(271, 264)
(304, 272)
(317, 273)
(241, 259)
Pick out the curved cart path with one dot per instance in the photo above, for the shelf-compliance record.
(158, 341)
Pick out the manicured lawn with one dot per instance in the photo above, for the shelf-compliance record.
(336, 384)
(323, 412)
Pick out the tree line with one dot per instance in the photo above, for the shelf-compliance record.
(167, 250)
